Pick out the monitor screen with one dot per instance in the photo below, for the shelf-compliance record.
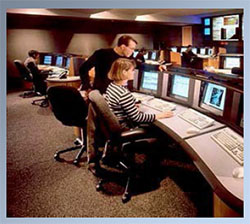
(174, 49)
(231, 62)
(145, 56)
(183, 49)
(194, 50)
(149, 81)
(203, 51)
(153, 55)
(180, 86)
(207, 22)
(207, 31)
(210, 51)
(215, 96)
(59, 61)
(67, 62)
(226, 27)
(135, 53)
(47, 60)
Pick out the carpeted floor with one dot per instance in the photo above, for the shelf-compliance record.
(37, 186)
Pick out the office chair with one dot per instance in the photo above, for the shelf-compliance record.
(39, 82)
(118, 142)
(26, 76)
(237, 71)
(69, 107)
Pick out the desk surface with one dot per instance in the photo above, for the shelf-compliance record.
(68, 79)
(212, 161)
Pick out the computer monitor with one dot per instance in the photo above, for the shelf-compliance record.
(183, 49)
(203, 51)
(67, 63)
(230, 62)
(194, 50)
(149, 82)
(47, 59)
(210, 51)
(214, 98)
(174, 49)
(59, 61)
(179, 87)
(153, 55)
(135, 53)
(145, 56)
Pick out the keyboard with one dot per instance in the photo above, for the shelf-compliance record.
(142, 97)
(197, 119)
(160, 105)
(231, 142)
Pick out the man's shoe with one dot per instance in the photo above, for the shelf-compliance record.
(94, 169)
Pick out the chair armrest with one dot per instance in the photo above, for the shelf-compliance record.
(133, 134)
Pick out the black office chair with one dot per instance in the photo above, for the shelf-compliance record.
(69, 107)
(119, 144)
(26, 76)
(237, 71)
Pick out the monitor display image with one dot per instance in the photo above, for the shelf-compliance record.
(59, 61)
(226, 27)
(210, 51)
(215, 96)
(153, 55)
(207, 31)
(180, 86)
(149, 81)
(231, 62)
(207, 22)
(47, 60)
(183, 49)
(194, 50)
(174, 49)
(135, 53)
(145, 56)
(203, 51)
(67, 62)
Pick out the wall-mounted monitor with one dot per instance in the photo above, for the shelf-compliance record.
(47, 59)
(230, 62)
(207, 22)
(59, 61)
(226, 27)
(207, 31)
(179, 87)
(213, 98)
(174, 49)
(150, 82)
(203, 51)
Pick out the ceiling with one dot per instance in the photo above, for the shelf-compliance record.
(166, 16)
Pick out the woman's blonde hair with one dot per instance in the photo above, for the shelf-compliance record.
(117, 68)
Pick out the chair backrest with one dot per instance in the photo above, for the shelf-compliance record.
(68, 105)
(111, 123)
(24, 72)
(237, 71)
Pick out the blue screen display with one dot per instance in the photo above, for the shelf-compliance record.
(207, 22)
(207, 31)
(59, 61)
(47, 60)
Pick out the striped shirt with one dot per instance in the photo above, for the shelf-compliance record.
(122, 103)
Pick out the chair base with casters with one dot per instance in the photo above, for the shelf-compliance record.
(70, 109)
(41, 102)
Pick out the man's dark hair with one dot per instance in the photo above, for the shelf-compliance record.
(189, 46)
(33, 53)
(125, 40)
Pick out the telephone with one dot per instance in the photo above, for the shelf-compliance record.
(63, 75)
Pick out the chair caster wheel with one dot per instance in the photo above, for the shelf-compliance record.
(76, 162)
(126, 197)
(99, 187)
(77, 142)
(57, 157)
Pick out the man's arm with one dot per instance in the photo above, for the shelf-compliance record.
(84, 71)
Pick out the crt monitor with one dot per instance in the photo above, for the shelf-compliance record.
(154, 55)
(174, 49)
(194, 50)
(145, 56)
(210, 51)
(149, 82)
(213, 98)
(47, 59)
(59, 61)
(135, 53)
(179, 87)
(183, 49)
(203, 51)
(230, 62)
(67, 63)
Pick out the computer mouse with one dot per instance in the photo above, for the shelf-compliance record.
(238, 172)
(193, 130)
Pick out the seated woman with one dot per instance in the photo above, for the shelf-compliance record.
(120, 99)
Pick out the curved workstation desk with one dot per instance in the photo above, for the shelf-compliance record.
(214, 163)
